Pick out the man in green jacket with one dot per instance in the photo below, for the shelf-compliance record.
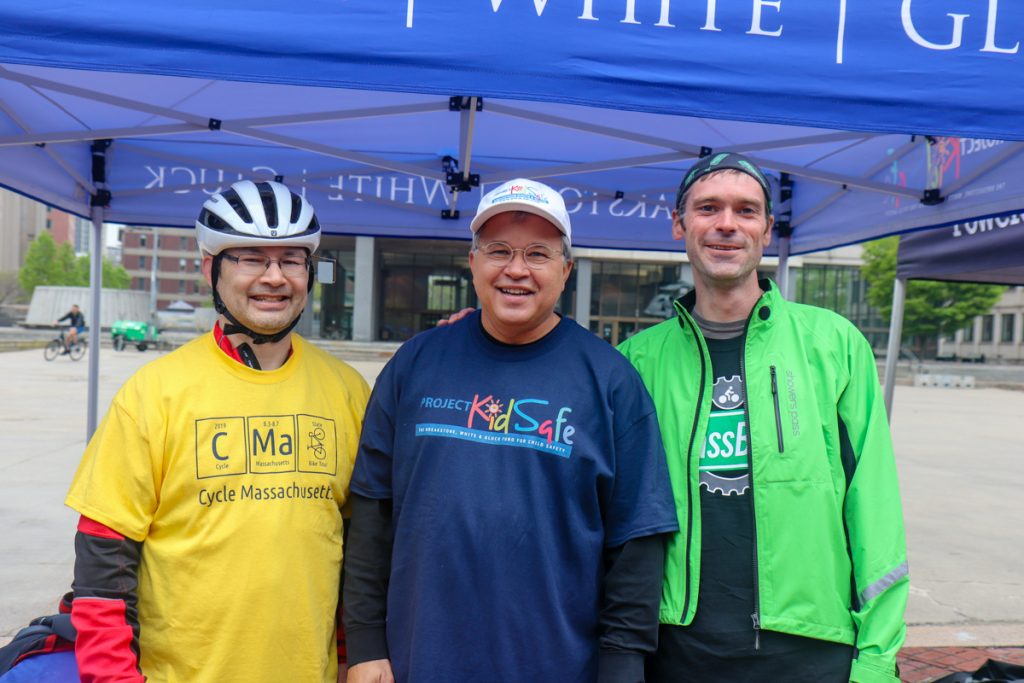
(790, 563)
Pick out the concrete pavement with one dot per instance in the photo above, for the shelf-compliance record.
(958, 454)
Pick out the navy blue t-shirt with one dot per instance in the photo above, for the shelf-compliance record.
(511, 470)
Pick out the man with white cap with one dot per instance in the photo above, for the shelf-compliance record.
(511, 494)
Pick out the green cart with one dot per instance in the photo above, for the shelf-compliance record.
(142, 334)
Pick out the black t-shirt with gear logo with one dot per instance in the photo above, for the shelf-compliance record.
(719, 644)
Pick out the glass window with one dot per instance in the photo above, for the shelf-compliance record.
(1006, 332)
(142, 261)
(841, 289)
(988, 323)
(142, 240)
(420, 287)
(335, 301)
(626, 297)
(969, 332)
(182, 264)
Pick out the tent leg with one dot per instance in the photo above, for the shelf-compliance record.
(95, 292)
(892, 355)
(782, 273)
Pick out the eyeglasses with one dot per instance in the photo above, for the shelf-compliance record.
(257, 264)
(535, 255)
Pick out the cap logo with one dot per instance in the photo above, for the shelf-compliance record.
(521, 192)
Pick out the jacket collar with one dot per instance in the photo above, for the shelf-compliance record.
(770, 300)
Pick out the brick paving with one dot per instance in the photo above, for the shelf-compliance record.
(925, 664)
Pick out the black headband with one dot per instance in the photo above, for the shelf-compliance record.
(719, 162)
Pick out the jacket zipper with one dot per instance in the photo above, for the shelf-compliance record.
(689, 465)
(755, 617)
(778, 414)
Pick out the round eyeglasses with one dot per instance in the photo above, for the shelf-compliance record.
(257, 264)
(535, 255)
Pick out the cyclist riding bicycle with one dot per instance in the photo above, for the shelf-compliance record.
(76, 320)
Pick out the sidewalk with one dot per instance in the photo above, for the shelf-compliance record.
(925, 664)
(958, 453)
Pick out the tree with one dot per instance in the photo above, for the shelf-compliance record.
(66, 272)
(40, 264)
(113, 275)
(931, 308)
(48, 264)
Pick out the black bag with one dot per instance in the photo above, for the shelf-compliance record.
(990, 672)
(53, 633)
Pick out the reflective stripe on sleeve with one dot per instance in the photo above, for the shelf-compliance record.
(879, 587)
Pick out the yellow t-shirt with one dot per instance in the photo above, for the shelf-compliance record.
(233, 480)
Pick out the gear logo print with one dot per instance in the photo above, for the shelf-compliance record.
(724, 486)
(724, 459)
(727, 393)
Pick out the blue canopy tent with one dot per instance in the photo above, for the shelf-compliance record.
(988, 251)
(873, 119)
(985, 251)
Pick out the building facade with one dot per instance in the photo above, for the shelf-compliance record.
(169, 258)
(996, 337)
(21, 221)
(390, 289)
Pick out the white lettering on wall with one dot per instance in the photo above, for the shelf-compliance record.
(663, 18)
(579, 198)
(912, 33)
(990, 32)
(709, 23)
(359, 183)
(188, 172)
(431, 191)
(407, 189)
(158, 178)
(756, 28)
(538, 5)
(630, 13)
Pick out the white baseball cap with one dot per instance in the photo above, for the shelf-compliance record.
(524, 195)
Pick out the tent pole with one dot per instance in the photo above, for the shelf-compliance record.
(892, 355)
(782, 272)
(95, 292)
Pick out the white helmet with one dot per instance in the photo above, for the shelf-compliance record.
(250, 214)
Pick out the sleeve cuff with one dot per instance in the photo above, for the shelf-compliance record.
(620, 667)
(366, 644)
(863, 672)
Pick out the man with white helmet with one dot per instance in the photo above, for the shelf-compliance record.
(209, 544)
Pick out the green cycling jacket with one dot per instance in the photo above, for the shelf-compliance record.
(831, 558)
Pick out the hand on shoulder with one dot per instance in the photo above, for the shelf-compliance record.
(455, 317)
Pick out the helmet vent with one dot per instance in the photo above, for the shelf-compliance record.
(232, 198)
(269, 200)
(212, 220)
(296, 207)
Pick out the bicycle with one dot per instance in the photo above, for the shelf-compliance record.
(60, 345)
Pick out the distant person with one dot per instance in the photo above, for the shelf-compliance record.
(209, 546)
(790, 562)
(76, 325)
(511, 497)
